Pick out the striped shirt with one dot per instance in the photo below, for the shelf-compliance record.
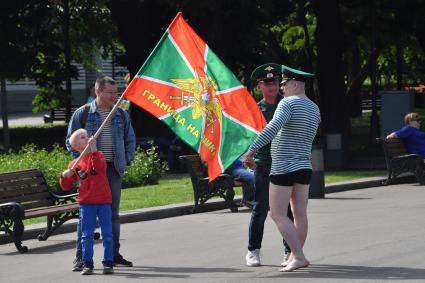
(291, 132)
(106, 142)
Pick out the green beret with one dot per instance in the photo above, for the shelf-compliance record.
(266, 72)
(289, 73)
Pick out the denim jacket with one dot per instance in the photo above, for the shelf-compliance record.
(124, 139)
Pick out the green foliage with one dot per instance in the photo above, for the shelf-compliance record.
(146, 168)
(71, 31)
(51, 163)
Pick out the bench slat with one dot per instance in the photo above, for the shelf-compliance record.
(29, 173)
(5, 195)
(37, 204)
(31, 198)
(22, 183)
(52, 210)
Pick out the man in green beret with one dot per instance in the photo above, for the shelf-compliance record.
(266, 77)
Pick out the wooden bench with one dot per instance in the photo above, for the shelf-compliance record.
(58, 114)
(400, 161)
(203, 190)
(25, 194)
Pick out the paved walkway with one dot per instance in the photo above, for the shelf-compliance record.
(369, 235)
(19, 119)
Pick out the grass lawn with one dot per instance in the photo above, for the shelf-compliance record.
(340, 176)
(178, 189)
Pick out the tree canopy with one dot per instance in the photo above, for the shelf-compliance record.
(347, 44)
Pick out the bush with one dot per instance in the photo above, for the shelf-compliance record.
(50, 163)
(146, 168)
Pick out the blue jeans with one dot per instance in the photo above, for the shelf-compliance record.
(115, 182)
(88, 215)
(261, 207)
(245, 175)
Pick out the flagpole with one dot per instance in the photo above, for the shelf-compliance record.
(107, 119)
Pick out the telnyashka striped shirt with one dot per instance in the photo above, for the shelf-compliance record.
(106, 143)
(291, 133)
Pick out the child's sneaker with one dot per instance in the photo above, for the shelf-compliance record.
(87, 270)
(78, 264)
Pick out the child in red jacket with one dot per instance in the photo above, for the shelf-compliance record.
(94, 197)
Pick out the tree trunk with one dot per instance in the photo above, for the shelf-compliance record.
(67, 51)
(330, 73)
(374, 131)
(3, 107)
(399, 63)
(355, 82)
(311, 91)
(330, 67)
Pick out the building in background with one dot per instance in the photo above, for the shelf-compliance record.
(20, 94)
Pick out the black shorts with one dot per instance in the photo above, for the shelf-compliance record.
(302, 176)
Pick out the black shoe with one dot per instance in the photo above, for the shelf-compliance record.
(78, 264)
(119, 260)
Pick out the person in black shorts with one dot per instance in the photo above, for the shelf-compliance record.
(291, 131)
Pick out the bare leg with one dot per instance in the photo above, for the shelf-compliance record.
(299, 201)
(279, 198)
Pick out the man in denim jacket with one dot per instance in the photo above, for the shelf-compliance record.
(117, 141)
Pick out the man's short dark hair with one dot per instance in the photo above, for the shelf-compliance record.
(101, 82)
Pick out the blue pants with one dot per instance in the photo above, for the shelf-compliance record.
(115, 182)
(261, 207)
(245, 175)
(88, 215)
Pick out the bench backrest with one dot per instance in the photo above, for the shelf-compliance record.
(394, 148)
(196, 168)
(60, 113)
(26, 187)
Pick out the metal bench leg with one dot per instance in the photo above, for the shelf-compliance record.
(55, 221)
(48, 231)
(420, 171)
(230, 195)
(17, 214)
(387, 182)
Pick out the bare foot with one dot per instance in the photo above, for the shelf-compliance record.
(285, 263)
(295, 264)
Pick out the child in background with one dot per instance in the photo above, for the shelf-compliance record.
(94, 197)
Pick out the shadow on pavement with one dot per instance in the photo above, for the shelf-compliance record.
(49, 248)
(355, 272)
(345, 198)
(171, 272)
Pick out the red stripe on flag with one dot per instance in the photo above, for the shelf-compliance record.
(154, 97)
(191, 45)
(210, 148)
(241, 97)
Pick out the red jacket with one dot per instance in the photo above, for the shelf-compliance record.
(94, 187)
